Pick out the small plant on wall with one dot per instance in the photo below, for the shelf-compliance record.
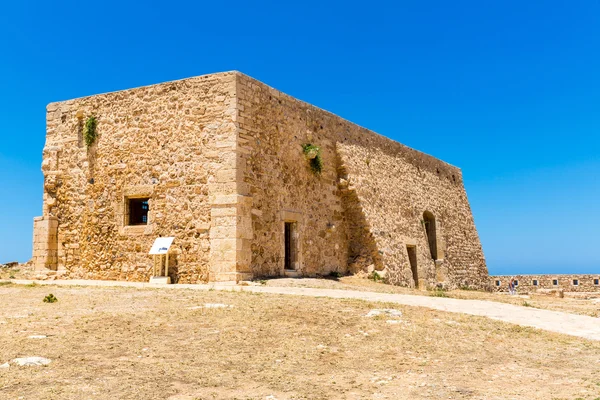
(313, 155)
(89, 131)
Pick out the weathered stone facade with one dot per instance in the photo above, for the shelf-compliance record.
(533, 283)
(220, 159)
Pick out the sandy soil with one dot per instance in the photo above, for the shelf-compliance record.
(125, 343)
(589, 306)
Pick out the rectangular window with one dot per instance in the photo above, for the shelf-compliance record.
(516, 282)
(555, 282)
(596, 282)
(535, 282)
(498, 283)
(575, 282)
(137, 211)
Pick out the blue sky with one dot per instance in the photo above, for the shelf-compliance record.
(507, 90)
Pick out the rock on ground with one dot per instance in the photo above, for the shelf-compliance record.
(31, 361)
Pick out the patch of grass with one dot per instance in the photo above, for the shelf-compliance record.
(438, 292)
(32, 284)
(50, 299)
(89, 130)
(12, 277)
(528, 304)
(375, 277)
(5, 283)
(313, 153)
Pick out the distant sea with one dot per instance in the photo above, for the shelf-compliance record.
(542, 270)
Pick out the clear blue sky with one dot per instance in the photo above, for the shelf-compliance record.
(507, 90)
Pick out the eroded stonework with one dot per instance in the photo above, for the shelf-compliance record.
(220, 160)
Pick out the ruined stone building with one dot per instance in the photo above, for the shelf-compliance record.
(251, 183)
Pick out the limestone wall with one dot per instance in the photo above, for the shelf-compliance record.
(174, 143)
(220, 158)
(585, 283)
(277, 179)
(366, 206)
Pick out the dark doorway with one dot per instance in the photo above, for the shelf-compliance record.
(429, 221)
(412, 259)
(290, 245)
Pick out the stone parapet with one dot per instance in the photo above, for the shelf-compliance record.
(532, 283)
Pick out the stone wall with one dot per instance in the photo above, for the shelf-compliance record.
(365, 207)
(585, 283)
(174, 143)
(220, 159)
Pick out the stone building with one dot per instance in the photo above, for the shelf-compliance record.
(222, 163)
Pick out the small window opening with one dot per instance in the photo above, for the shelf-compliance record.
(412, 259)
(596, 282)
(535, 282)
(516, 282)
(290, 246)
(555, 282)
(498, 283)
(138, 211)
(575, 282)
(429, 222)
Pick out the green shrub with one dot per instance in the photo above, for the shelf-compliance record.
(313, 153)
(50, 299)
(89, 131)
(374, 276)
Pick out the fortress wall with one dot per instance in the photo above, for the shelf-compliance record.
(276, 177)
(394, 192)
(373, 191)
(585, 282)
(172, 142)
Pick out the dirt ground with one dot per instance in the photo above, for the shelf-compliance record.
(126, 343)
(583, 304)
(577, 305)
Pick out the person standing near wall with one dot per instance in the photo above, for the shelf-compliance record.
(511, 286)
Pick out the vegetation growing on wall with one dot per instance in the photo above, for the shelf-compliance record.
(313, 155)
(89, 131)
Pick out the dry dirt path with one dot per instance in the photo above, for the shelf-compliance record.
(554, 321)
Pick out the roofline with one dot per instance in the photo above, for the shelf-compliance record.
(238, 73)
(145, 86)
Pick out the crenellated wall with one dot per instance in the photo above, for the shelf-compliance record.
(585, 282)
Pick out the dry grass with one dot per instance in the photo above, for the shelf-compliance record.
(570, 304)
(589, 307)
(124, 343)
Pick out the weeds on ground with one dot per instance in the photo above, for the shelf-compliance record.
(50, 299)
(375, 277)
(438, 292)
(5, 283)
(32, 284)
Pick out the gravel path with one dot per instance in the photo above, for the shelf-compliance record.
(555, 321)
